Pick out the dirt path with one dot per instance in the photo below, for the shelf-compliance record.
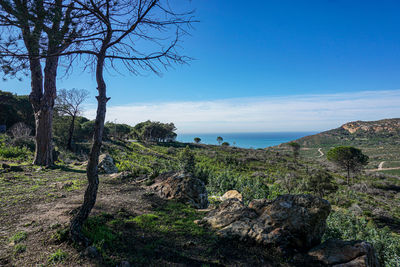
(384, 169)
(320, 152)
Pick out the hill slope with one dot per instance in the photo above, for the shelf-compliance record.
(380, 140)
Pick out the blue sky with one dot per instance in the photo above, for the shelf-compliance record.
(260, 51)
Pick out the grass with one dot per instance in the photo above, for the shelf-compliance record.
(18, 237)
(173, 218)
(163, 232)
(19, 248)
(57, 257)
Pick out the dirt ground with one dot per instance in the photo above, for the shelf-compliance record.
(40, 202)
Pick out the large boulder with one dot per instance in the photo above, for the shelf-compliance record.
(182, 187)
(232, 194)
(106, 164)
(341, 253)
(289, 222)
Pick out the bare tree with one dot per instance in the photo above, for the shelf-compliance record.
(36, 32)
(144, 35)
(69, 103)
(20, 130)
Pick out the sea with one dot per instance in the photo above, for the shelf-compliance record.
(245, 140)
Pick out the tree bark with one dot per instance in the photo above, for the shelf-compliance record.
(43, 117)
(92, 169)
(71, 133)
(44, 109)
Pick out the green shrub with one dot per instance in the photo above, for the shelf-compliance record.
(19, 248)
(58, 256)
(96, 229)
(186, 158)
(18, 237)
(13, 152)
(250, 187)
(342, 225)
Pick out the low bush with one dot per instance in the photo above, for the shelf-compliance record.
(8, 151)
(342, 225)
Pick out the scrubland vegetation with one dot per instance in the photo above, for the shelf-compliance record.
(366, 208)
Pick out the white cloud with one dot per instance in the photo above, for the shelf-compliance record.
(266, 114)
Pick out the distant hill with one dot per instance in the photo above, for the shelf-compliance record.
(357, 133)
(380, 140)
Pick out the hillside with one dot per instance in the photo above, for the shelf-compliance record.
(380, 132)
(131, 223)
(380, 140)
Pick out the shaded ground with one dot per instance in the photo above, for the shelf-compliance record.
(128, 223)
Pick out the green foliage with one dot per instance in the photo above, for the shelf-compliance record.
(348, 158)
(174, 217)
(187, 161)
(154, 131)
(18, 237)
(15, 109)
(117, 130)
(60, 235)
(220, 139)
(95, 229)
(295, 148)
(342, 225)
(250, 187)
(58, 256)
(9, 151)
(320, 183)
(225, 144)
(19, 248)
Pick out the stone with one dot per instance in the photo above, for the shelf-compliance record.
(5, 166)
(120, 175)
(106, 164)
(16, 169)
(356, 209)
(341, 253)
(290, 222)
(124, 264)
(182, 187)
(92, 252)
(232, 194)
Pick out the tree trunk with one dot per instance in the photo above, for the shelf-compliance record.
(92, 170)
(44, 115)
(71, 133)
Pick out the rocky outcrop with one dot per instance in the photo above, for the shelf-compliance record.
(106, 164)
(388, 125)
(345, 253)
(289, 222)
(182, 187)
(232, 194)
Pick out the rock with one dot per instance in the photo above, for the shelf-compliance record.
(16, 169)
(181, 187)
(5, 166)
(124, 264)
(228, 212)
(232, 194)
(92, 252)
(289, 222)
(337, 253)
(106, 164)
(120, 175)
(356, 209)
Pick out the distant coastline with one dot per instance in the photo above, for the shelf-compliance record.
(245, 140)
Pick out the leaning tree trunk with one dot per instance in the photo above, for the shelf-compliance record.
(92, 170)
